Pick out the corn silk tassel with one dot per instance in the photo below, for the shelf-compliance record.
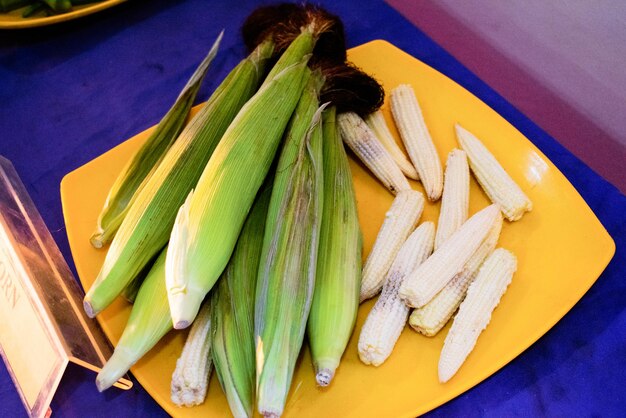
(143, 164)
(149, 321)
(338, 278)
(208, 224)
(233, 313)
(146, 228)
(288, 261)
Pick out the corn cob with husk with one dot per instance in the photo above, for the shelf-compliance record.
(129, 293)
(376, 122)
(338, 278)
(399, 222)
(416, 138)
(149, 321)
(232, 344)
(455, 198)
(483, 296)
(209, 222)
(386, 320)
(424, 283)
(288, 262)
(430, 318)
(145, 161)
(362, 141)
(147, 225)
(492, 177)
(190, 379)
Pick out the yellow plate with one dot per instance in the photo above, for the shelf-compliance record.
(14, 19)
(561, 246)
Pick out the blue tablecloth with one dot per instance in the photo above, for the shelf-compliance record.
(70, 92)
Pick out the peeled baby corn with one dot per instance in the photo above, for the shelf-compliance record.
(386, 320)
(193, 368)
(455, 198)
(143, 164)
(474, 313)
(232, 344)
(209, 222)
(146, 227)
(288, 260)
(366, 146)
(376, 122)
(494, 180)
(416, 138)
(338, 278)
(399, 222)
(430, 318)
(424, 283)
(149, 321)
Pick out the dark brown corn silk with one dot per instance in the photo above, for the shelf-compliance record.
(284, 22)
(347, 87)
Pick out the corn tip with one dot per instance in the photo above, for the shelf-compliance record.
(101, 386)
(91, 313)
(324, 377)
(97, 240)
(444, 375)
(184, 308)
(181, 324)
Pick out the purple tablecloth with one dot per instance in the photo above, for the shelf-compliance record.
(70, 92)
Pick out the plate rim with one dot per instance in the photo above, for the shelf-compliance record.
(84, 10)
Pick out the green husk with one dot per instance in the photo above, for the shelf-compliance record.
(288, 260)
(146, 160)
(146, 228)
(233, 313)
(338, 280)
(149, 321)
(208, 224)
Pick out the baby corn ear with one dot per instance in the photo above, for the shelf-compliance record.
(430, 318)
(232, 344)
(376, 122)
(193, 369)
(474, 314)
(338, 277)
(362, 141)
(399, 222)
(494, 180)
(146, 227)
(387, 318)
(410, 122)
(143, 164)
(424, 283)
(455, 200)
(149, 321)
(287, 269)
(229, 183)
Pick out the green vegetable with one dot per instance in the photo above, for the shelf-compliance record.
(146, 228)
